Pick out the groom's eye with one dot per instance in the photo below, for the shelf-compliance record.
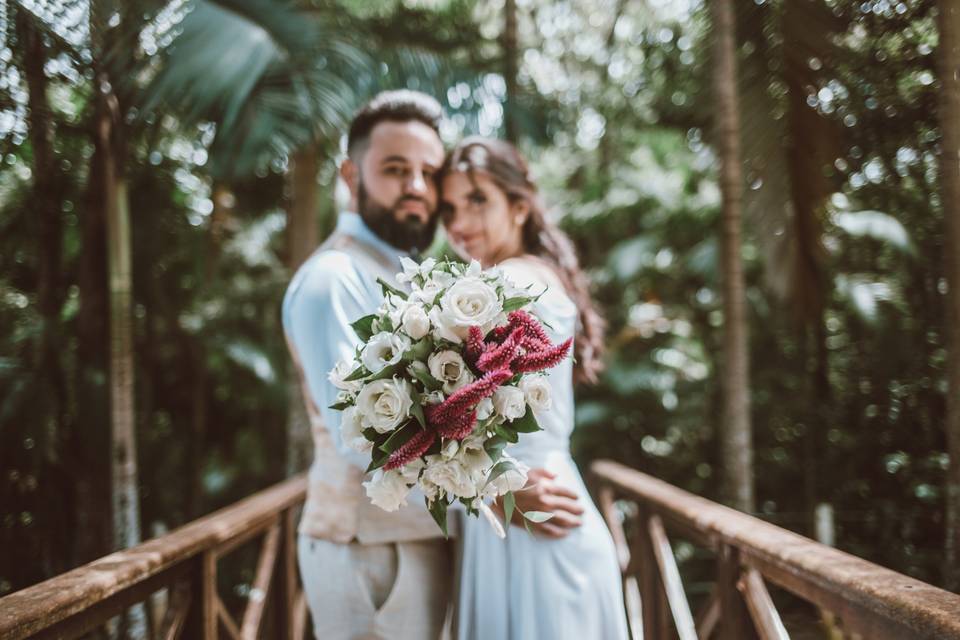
(394, 170)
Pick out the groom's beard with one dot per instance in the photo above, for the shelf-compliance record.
(407, 234)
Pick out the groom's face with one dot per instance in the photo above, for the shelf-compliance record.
(395, 190)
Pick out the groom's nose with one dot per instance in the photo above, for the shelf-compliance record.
(416, 184)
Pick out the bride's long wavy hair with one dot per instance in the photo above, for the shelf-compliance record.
(503, 164)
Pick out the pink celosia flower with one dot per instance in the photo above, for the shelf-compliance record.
(411, 449)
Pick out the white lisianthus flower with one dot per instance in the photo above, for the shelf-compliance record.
(427, 293)
(351, 431)
(340, 373)
(536, 389)
(510, 480)
(450, 449)
(411, 269)
(387, 489)
(430, 490)
(415, 322)
(476, 461)
(449, 475)
(385, 404)
(469, 301)
(509, 402)
(383, 349)
(449, 368)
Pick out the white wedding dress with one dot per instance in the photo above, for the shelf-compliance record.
(530, 587)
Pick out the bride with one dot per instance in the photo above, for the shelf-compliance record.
(564, 582)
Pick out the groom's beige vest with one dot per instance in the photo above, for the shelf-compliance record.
(337, 508)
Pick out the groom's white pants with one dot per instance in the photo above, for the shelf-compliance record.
(394, 590)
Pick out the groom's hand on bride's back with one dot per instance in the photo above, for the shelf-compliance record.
(542, 493)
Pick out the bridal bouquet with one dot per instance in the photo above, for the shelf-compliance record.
(446, 376)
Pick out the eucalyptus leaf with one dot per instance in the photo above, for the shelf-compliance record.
(340, 406)
(518, 302)
(499, 469)
(509, 502)
(537, 516)
(386, 372)
(438, 509)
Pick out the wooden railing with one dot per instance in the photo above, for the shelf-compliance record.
(863, 600)
(860, 599)
(183, 562)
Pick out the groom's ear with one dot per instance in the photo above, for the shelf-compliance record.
(350, 174)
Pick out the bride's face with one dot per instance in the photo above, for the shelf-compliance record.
(480, 220)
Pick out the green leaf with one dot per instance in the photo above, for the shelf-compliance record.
(364, 327)
(427, 380)
(376, 463)
(537, 516)
(386, 372)
(386, 324)
(371, 434)
(506, 433)
(499, 469)
(417, 410)
(340, 406)
(509, 502)
(438, 509)
(494, 447)
(388, 288)
(399, 437)
(512, 304)
(419, 350)
(526, 424)
(358, 374)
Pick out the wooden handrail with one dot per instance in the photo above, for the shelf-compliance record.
(871, 600)
(155, 564)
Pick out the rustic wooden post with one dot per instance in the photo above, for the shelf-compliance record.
(734, 618)
(652, 596)
(287, 580)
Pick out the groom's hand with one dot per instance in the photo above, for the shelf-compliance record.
(541, 493)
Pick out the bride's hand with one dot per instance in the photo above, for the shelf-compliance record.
(541, 493)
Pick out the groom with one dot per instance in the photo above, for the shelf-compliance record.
(369, 573)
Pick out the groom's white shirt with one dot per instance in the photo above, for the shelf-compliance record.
(333, 288)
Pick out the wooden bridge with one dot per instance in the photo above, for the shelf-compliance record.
(857, 598)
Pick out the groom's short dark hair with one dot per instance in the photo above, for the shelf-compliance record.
(397, 106)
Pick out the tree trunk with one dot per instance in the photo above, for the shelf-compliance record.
(950, 184)
(735, 436)
(45, 208)
(88, 441)
(510, 65)
(302, 238)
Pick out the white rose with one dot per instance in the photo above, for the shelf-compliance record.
(351, 431)
(484, 409)
(415, 322)
(469, 301)
(510, 480)
(450, 476)
(382, 350)
(536, 390)
(509, 402)
(450, 449)
(450, 369)
(340, 373)
(387, 489)
(384, 404)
